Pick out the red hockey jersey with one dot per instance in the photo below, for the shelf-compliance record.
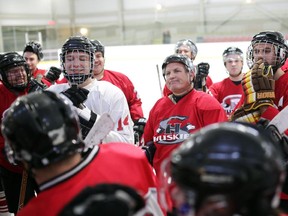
(6, 99)
(169, 124)
(119, 163)
(227, 93)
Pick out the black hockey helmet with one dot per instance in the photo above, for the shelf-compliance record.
(180, 59)
(41, 128)
(189, 43)
(10, 60)
(231, 51)
(231, 160)
(271, 37)
(77, 44)
(98, 46)
(34, 47)
(105, 199)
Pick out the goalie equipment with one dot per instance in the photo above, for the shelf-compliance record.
(41, 128)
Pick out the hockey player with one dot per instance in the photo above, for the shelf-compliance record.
(15, 81)
(225, 169)
(124, 83)
(42, 131)
(201, 81)
(174, 118)
(229, 91)
(265, 85)
(91, 97)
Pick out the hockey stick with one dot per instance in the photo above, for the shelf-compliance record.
(280, 121)
(159, 80)
(99, 131)
(23, 189)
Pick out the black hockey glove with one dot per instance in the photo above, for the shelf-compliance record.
(77, 95)
(34, 85)
(53, 74)
(149, 150)
(87, 120)
(203, 69)
(201, 74)
(138, 129)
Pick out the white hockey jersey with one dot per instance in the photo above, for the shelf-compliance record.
(104, 97)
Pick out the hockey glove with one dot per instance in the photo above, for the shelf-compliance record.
(243, 114)
(87, 119)
(149, 150)
(77, 95)
(34, 85)
(138, 129)
(258, 86)
(203, 69)
(53, 74)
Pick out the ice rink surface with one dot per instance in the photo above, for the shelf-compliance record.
(140, 62)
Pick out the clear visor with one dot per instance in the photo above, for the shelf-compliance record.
(187, 202)
(232, 58)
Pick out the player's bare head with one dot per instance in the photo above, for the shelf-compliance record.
(223, 169)
(41, 128)
(105, 199)
(77, 59)
(186, 47)
(270, 46)
(14, 71)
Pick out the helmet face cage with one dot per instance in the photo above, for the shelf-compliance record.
(98, 46)
(232, 160)
(186, 42)
(50, 121)
(180, 59)
(34, 47)
(11, 60)
(73, 59)
(232, 51)
(270, 46)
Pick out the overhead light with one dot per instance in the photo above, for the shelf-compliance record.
(158, 7)
(84, 31)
